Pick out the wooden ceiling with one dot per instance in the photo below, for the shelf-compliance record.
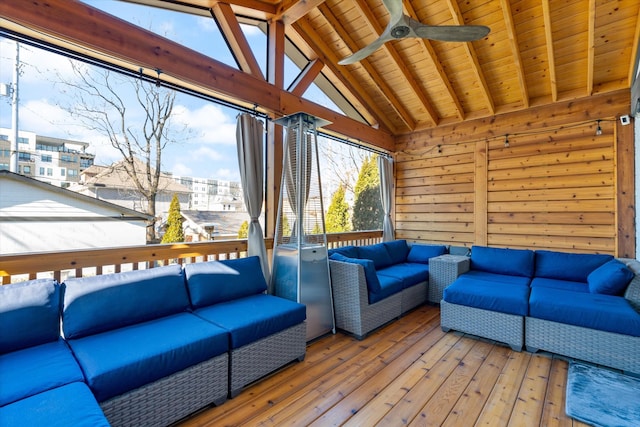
(538, 52)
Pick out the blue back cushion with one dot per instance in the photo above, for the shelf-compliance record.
(398, 250)
(513, 262)
(102, 303)
(568, 266)
(376, 253)
(422, 253)
(29, 314)
(348, 251)
(373, 283)
(218, 281)
(611, 278)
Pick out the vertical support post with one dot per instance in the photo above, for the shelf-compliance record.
(13, 163)
(480, 190)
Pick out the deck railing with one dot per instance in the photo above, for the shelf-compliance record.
(88, 262)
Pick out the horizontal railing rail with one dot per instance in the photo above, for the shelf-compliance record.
(88, 262)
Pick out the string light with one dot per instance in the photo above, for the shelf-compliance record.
(506, 141)
(598, 129)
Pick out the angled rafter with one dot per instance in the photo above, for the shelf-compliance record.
(306, 77)
(471, 53)
(230, 28)
(591, 47)
(375, 76)
(304, 30)
(513, 40)
(393, 53)
(289, 11)
(432, 56)
(550, 50)
(634, 51)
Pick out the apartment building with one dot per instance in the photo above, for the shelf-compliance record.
(52, 160)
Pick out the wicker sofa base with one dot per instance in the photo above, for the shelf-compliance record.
(600, 347)
(502, 327)
(171, 398)
(414, 296)
(255, 360)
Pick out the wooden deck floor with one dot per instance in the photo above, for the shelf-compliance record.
(409, 372)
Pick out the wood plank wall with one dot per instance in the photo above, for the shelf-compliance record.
(557, 185)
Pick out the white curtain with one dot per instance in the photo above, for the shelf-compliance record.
(385, 166)
(249, 135)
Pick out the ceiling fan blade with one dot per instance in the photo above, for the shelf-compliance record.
(367, 50)
(395, 10)
(451, 33)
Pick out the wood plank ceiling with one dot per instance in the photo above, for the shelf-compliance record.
(538, 52)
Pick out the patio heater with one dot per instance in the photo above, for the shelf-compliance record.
(300, 260)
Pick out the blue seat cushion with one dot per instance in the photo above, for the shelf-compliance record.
(36, 369)
(495, 277)
(348, 251)
(370, 276)
(376, 253)
(254, 317)
(494, 296)
(398, 250)
(69, 405)
(29, 314)
(110, 301)
(611, 278)
(218, 281)
(567, 285)
(596, 311)
(568, 266)
(511, 262)
(409, 273)
(388, 286)
(124, 359)
(422, 253)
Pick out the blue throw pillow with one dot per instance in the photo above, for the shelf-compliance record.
(376, 253)
(568, 266)
(213, 282)
(610, 278)
(373, 283)
(29, 314)
(421, 253)
(398, 250)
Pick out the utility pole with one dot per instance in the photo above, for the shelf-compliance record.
(13, 163)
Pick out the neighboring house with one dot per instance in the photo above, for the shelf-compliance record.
(53, 160)
(205, 225)
(112, 184)
(40, 217)
(213, 194)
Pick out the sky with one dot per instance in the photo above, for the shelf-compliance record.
(210, 151)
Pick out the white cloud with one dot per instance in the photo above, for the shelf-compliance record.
(209, 124)
(251, 30)
(207, 25)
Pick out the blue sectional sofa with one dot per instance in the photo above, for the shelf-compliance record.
(41, 383)
(148, 347)
(374, 284)
(585, 306)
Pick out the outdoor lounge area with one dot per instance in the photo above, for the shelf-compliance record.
(507, 254)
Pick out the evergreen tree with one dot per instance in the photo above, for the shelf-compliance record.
(367, 208)
(174, 231)
(338, 213)
(286, 228)
(316, 229)
(243, 231)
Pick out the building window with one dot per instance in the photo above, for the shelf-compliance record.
(22, 140)
(46, 158)
(4, 166)
(41, 171)
(25, 157)
(49, 171)
(26, 170)
(72, 172)
(62, 172)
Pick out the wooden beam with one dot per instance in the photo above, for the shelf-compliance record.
(480, 193)
(634, 52)
(591, 37)
(471, 53)
(515, 49)
(376, 28)
(384, 88)
(306, 77)
(233, 34)
(625, 191)
(289, 11)
(79, 27)
(546, 13)
(432, 56)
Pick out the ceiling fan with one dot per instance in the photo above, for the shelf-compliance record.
(403, 26)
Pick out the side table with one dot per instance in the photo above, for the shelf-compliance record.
(443, 270)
